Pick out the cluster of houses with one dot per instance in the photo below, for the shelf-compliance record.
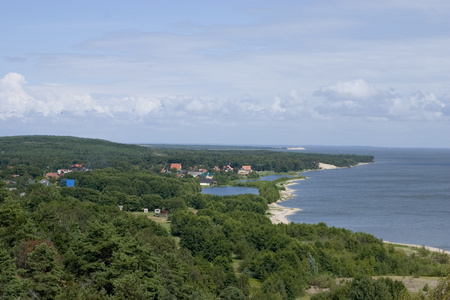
(55, 176)
(204, 177)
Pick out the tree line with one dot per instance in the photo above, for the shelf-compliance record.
(33, 156)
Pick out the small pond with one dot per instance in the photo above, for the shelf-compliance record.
(229, 190)
(267, 178)
(239, 190)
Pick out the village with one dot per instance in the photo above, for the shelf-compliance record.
(204, 177)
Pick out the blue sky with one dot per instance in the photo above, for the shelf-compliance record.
(228, 72)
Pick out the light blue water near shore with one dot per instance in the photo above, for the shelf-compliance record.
(404, 197)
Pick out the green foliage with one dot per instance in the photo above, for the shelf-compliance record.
(364, 287)
(10, 286)
(442, 290)
(43, 273)
(15, 224)
(31, 156)
(267, 189)
(75, 243)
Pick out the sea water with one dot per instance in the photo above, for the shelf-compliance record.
(403, 197)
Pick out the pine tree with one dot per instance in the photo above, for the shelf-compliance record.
(9, 284)
(43, 273)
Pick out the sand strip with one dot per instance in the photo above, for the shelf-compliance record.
(432, 249)
(278, 213)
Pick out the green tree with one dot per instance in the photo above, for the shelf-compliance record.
(43, 276)
(232, 293)
(10, 286)
(132, 286)
(15, 223)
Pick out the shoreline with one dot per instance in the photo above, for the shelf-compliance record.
(431, 249)
(279, 214)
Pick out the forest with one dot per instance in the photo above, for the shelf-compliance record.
(75, 243)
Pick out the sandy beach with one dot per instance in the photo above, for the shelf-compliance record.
(278, 213)
(432, 249)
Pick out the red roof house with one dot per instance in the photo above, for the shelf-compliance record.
(52, 175)
(176, 166)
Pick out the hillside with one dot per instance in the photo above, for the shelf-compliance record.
(63, 151)
(54, 152)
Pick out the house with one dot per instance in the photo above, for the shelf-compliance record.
(245, 170)
(206, 181)
(175, 166)
(52, 175)
(77, 166)
(216, 168)
(63, 171)
(227, 168)
(67, 182)
(195, 174)
(207, 175)
(45, 182)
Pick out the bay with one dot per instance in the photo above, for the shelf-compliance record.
(403, 197)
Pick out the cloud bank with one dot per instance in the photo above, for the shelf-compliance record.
(357, 99)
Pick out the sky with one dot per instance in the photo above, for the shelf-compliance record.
(256, 72)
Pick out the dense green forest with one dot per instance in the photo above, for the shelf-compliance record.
(75, 242)
(31, 154)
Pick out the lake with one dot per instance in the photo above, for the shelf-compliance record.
(238, 190)
(229, 190)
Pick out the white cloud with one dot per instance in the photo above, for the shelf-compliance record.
(139, 106)
(18, 100)
(357, 100)
(419, 106)
(14, 100)
(361, 99)
(276, 106)
(358, 89)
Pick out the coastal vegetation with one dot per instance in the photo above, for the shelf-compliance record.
(75, 243)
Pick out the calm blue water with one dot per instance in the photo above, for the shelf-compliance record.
(238, 190)
(266, 178)
(229, 190)
(403, 197)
